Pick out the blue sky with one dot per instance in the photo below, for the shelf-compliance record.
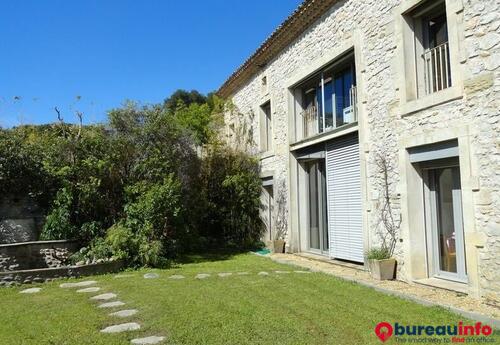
(106, 51)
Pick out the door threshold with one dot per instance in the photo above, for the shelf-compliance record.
(327, 259)
(444, 284)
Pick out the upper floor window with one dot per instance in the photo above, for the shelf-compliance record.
(432, 59)
(266, 128)
(328, 99)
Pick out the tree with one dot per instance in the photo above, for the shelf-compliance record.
(183, 97)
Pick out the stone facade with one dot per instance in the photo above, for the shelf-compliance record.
(390, 122)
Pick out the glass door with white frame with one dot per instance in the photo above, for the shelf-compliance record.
(445, 223)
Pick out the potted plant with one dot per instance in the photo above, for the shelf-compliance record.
(281, 224)
(380, 261)
(382, 265)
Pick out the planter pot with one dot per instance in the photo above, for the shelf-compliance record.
(383, 269)
(278, 246)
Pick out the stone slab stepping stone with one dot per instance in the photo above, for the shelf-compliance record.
(222, 275)
(263, 274)
(302, 271)
(151, 275)
(124, 276)
(111, 304)
(31, 290)
(104, 297)
(79, 284)
(89, 290)
(148, 340)
(124, 313)
(202, 276)
(124, 327)
(242, 273)
(282, 272)
(177, 276)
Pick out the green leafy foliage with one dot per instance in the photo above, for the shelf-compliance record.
(154, 176)
(378, 254)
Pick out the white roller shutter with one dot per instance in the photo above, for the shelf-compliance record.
(345, 229)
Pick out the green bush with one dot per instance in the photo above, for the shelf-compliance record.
(232, 189)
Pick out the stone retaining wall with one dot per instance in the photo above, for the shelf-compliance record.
(35, 255)
(47, 274)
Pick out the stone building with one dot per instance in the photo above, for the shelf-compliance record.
(346, 93)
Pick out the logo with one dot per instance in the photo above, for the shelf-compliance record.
(384, 331)
(456, 333)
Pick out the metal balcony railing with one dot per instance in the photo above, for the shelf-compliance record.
(437, 74)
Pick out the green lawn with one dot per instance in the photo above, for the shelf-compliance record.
(239, 309)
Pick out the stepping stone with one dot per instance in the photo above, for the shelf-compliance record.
(111, 304)
(79, 284)
(124, 313)
(124, 276)
(263, 274)
(151, 275)
(89, 290)
(148, 340)
(32, 290)
(302, 271)
(282, 272)
(222, 275)
(124, 327)
(177, 276)
(242, 273)
(104, 297)
(202, 276)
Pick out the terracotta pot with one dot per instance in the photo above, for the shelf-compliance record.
(278, 246)
(383, 269)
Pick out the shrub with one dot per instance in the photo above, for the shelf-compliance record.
(232, 188)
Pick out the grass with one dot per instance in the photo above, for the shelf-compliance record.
(240, 309)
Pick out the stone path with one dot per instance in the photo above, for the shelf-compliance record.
(147, 340)
(202, 276)
(151, 275)
(31, 290)
(123, 327)
(124, 313)
(89, 290)
(176, 276)
(111, 304)
(79, 284)
(103, 297)
(133, 326)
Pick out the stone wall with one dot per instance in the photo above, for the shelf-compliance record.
(373, 27)
(34, 255)
(43, 275)
(21, 219)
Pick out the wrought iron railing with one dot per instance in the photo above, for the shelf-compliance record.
(437, 74)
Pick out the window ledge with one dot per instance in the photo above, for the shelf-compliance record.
(266, 154)
(321, 137)
(443, 96)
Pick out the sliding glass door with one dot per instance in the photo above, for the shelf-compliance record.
(317, 229)
(444, 213)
